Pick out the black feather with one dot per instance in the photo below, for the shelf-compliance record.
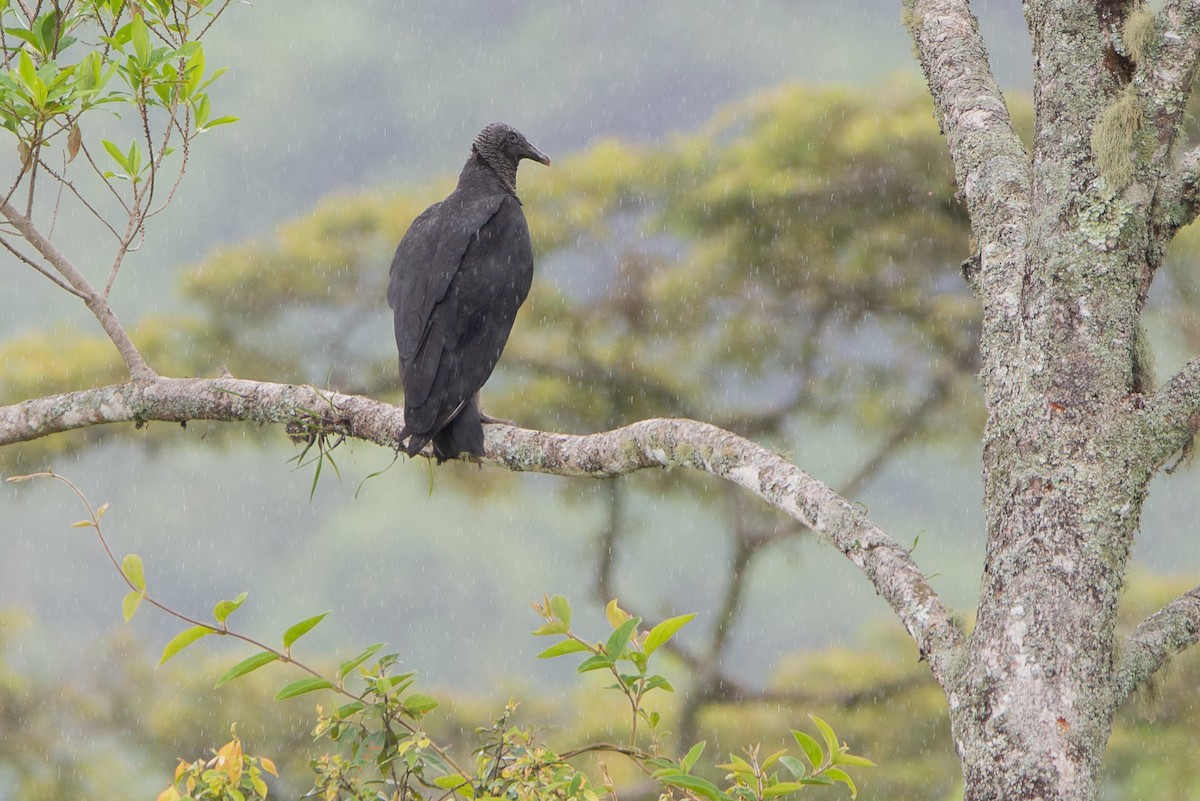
(458, 277)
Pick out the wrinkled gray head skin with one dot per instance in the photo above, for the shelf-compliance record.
(502, 147)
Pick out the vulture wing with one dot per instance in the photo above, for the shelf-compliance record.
(457, 280)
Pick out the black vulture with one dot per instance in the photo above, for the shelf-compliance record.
(458, 277)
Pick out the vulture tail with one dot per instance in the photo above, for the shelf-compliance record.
(463, 434)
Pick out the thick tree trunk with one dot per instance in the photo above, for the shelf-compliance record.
(1068, 245)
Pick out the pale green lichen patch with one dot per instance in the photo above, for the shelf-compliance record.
(1114, 139)
(1103, 220)
(1141, 29)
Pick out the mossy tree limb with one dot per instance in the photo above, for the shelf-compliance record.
(662, 443)
(1173, 628)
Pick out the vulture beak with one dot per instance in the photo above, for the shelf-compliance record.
(536, 155)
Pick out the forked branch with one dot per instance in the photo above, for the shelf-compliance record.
(139, 370)
(990, 163)
(1171, 416)
(1173, 628)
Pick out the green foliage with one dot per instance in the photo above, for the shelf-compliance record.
(53, 77)
(381, 748)
(231, 775)
(626, 645)
(133, 720)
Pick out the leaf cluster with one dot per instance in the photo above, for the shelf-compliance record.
(230, 775)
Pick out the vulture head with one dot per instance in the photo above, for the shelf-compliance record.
(502, 147)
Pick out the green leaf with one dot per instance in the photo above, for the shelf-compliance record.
(134, 159)
(139, 35)
(781, 788)
(48, 28)
(693, 755)
(117, 156)
(217, 73)
(132, 567)
(596, 662)
(394, 685)
(550, 627)
(841, 758)
(831, 739)
(693, 783)
(456, 782)
(656, 682)
(187, 50)
(182, 640)
(28, 37)
(350, 664)
(772, 759)
(418, 704)
(812, 749)
(300, 629)
(560, 648)
(352, 708)
(738, 765)
(839, 775)
(247, 665)
(794, 766)
(225, 120)
(26, 71)
(225, 608)
(664, 631)
(202, 106)
(615, 614)
(302, 686)
(561, 609)
(130, 603)
(620, 638)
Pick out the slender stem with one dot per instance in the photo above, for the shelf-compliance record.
(137, 366)
(223, 630)
(57, 281)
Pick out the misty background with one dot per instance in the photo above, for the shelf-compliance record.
(363, 95)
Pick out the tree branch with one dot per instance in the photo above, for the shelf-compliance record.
(1179, 197)
(1166, 78)
(1169, 630)
(1165, 82)
(990, 163)
(1171, 416)
(138, 369)
(61, 284)
(647, 444)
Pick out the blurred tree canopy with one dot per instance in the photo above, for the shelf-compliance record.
(747, 273)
